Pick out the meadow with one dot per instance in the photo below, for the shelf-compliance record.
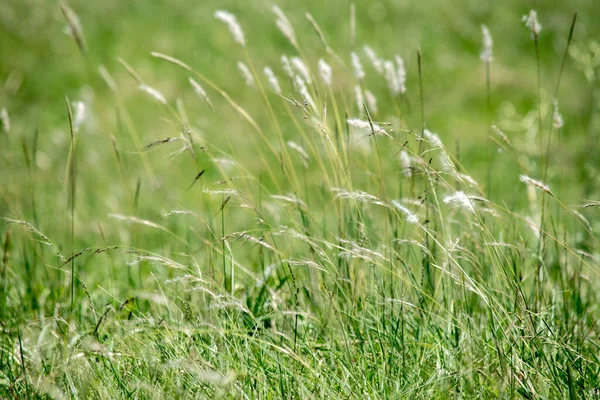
(317, 199)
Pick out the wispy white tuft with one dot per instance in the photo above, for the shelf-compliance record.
(304, 93)
(357, 67)
(5, 120)
(433, 139)
(358, 97)
(285, 26)
(410, 216)
(557, 120)
(401, 74)
(246, 74)
(531, 22)
(371, 101)
(365, 126)
(79, 115)
(405, 163)
(325, 72)
(391, 78)
(300, 150)
(358, 195)
(302, 69)
(486, 53)
(536, 184)
(273, 82)
(234, 27)
(501, 135)
(375, 61)
(155, 94)
(199, 90)
(460, 199)
(287, 67)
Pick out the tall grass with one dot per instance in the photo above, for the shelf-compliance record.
(301, 236)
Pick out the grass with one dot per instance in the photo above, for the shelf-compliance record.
(277, 245)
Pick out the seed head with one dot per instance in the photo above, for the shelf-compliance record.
(486, 53)
(325, 72)
(359, 72)
(285, 26)
(273, 82)
(536, 184)
(531, 22)
(234, 26)
(246, 74)
(375, 62)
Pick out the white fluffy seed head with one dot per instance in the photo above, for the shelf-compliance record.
(358, 97)
(199, 90)
(557, 119)
(78, 115)
(273, 82)
(460, 199)
(401, 72)
(433, 139)
(246, 74)
(531, 22)
(155, 94)
(357, 67)
(325, 72)
(536, 184)
(405, 162)
(410, 216)
(486, 52)
(285, 26)
(366, 126)
(234, 26)
(5, 120)
(287, 67)
(375, 61)
(391, 78)
(304, 93)
(371, 102)
(302, 69)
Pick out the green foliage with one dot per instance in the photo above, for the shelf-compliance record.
(169, 238)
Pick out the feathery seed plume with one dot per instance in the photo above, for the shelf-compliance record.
(5, 120)
(246, 74)
(486, 53)
(358, 97)
(302, 69)
(199, 90)
(410, 216)
(158, 96)
(287, 67)
(375, 62)
(273, 82)
(234, 26)
(391, 77)
(285, 26)
(304, 93)
(531, 22)
(79, 114)
(433, 139)
(357, 67)
(405, 163)
(460, 199)
(371, 101)
(325, 72)
(557, 120)
(401, 74)
(536, 184)
(365, 126)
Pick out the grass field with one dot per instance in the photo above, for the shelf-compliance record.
(222, 199)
